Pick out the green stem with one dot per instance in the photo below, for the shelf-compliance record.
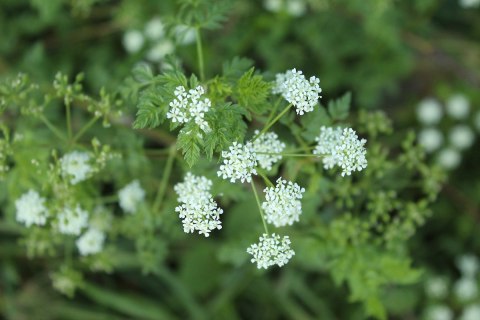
(269, 125)
(166, 175)
(85, 128)
(52, 128)
(274, 109)
(265, 178)
(69, 119)
(200, 54)
(259, 207)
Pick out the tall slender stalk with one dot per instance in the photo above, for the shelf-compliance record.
(201, 67)
(259, 207)
(166, 175)
(269, 125)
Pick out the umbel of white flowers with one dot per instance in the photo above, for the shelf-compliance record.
(283, 206)
(342, 148)
(267, 148)
(75, 166)
(72, 221)
(188, 106)
(198, 211)
(303, 94)
(239, 162)
(271, 250)
(91, 242)
(130, 196)
(31, 209)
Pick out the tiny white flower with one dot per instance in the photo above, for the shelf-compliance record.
(265, 144)
(271, 250)
(297, 90)
(184, 34)
(75, 166)
(133, 41)
(436, 288)
(31, 209)
(458, 106)
(461, 137)
(160, 50)
(239, 163)
(198, 211)
(72, 221)
(439, 312)
(282, 206)
(154, 29)
(468, 265)
(466, 289)
(189, 106)
(91, 242)
(130, 196)
(431, 139)
(472, 312)
(341, 147)
(449, 158)
(429, 111)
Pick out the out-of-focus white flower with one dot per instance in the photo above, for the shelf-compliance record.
(303, 94)
(472, 312)
(72, 221)
(429, 111)
(273, 5)
(466, 289)
(271, 250)
(130, 196)
(267, 146)
(188, 106)
(283, 206)
(31, 209)
(468, 265)
(154, 29)
(341, 147)
(198, 211)
(449, 158)
(91, 242)
(239, 163)
(461, 137)
(436, 288)
(296, 8)
(184, 34)
(75, 166)
(439, 312)
(469, 3)
(161, 49)
(133, 41)
(458, 106)
(430, 138)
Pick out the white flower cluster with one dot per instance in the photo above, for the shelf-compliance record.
(472, 312)
(282, 206)
(75, 166)
(72, 221)
(460, 136)
(271, 250)
(267, 146)
(439, 312)
(341, 147)
(130, 196)
(31, 209)
(239, 162)
(188, 106)
(197, 210)
(295, 8)
(297, 90)
(91, 242)
(436, 288)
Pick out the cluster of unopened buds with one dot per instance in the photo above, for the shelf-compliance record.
(339, 147)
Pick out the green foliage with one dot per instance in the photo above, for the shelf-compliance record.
(338, 109)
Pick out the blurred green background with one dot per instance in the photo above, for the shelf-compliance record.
(392, 55)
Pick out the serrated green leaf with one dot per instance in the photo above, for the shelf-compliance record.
(339, 108)
(190, 141)
(234, 69)
(142, 73)
(251, 91)
(150, 113)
